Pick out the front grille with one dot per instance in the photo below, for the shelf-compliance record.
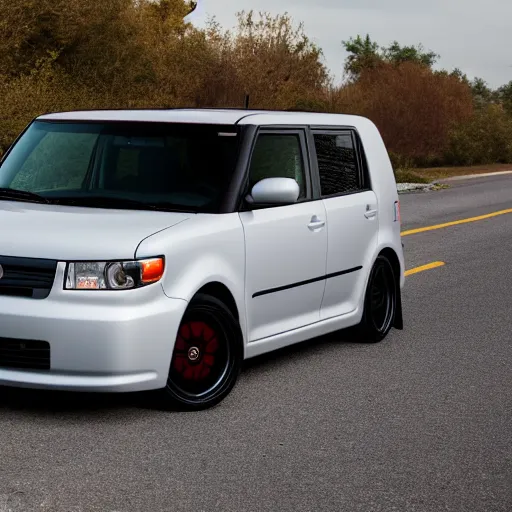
(24, 354)
(26, 277)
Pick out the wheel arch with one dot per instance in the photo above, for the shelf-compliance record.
(221, 292)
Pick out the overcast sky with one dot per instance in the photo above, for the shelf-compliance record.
(474, 35)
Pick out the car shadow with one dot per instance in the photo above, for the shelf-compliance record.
(310, 347)
(44, 402)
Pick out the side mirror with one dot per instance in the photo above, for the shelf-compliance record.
(278, 191)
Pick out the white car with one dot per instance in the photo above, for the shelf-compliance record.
(157, 249)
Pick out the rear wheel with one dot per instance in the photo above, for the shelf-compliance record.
(207, 356)
(380, 303)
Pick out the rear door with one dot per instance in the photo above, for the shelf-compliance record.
(352, 216)
(286, 246)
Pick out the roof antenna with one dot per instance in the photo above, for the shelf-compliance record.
(246, 102)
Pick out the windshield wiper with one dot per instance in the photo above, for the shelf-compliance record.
(115, 202)
(101, 202)
(22, 195)
(173, 207)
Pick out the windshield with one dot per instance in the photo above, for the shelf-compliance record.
(127, 165)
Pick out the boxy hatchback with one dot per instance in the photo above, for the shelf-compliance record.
(157, 249)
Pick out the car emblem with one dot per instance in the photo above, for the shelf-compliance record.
(1, 271)
(193, 354)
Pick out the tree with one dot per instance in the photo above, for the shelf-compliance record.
(505, 96)
(76, 54)
(482, 93)
(191, 6)
(397, 54)
(273, 61)
(95, 40)
(364, 54)
(30, 31)
(173, 11)
(413, 107)
(460, 75)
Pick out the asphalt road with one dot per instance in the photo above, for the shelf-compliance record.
(421, 422)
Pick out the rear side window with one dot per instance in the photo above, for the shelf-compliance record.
(338, 163)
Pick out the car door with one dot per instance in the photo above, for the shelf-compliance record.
(286, 246)
(352, 217)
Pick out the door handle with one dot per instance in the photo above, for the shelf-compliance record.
(370, 214)
(316, 223)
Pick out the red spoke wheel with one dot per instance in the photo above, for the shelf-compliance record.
(196, 352)
(207, 355)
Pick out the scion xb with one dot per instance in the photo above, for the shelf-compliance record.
(157, 249)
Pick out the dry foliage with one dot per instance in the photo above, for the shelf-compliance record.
(76, 54)
(414, 107)
(70, 54)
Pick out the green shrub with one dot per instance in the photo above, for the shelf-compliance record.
(485, 139)
(409, 176)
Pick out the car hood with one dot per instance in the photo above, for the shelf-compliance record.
(75, 233)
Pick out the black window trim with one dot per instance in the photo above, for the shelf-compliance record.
(361, 161)
(302, 132)
(233, 198)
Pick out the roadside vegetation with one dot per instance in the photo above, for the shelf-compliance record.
(71, 54)
(432, 174)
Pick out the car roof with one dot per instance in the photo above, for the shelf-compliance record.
(207, 116)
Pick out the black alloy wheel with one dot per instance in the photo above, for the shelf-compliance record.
(380, 302)
(207, 357)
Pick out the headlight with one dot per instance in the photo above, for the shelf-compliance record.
(113, 275)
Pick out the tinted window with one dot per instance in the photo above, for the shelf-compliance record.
(41, 170)
(337, 163)
(278, 156)
(188, 166)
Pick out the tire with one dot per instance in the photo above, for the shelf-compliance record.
(207, 356)
(380, 304)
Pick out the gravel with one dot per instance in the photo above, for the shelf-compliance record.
(408, 187)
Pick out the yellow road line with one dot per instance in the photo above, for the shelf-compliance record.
(430, 266)
(455, 222)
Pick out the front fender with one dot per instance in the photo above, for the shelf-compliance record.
(205, 249)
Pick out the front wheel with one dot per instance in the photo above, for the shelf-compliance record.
(207, 356)
(380, 303)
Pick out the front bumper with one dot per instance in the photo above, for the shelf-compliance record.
(99, 340)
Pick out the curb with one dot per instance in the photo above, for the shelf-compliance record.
(404, 188)
(472, 176)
